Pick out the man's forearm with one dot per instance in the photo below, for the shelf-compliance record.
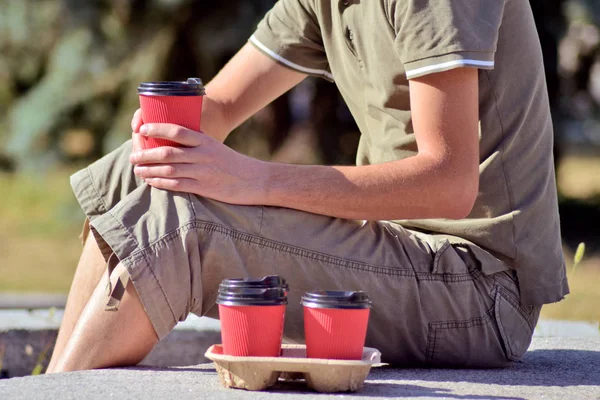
(214, 119)
(413, 188)
(441, 181)
(248, 82)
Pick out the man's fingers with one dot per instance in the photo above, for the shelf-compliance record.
(177, 185)
(161, 155)
(136, 121)
(137, 142)
(175, 133)
(165, 171)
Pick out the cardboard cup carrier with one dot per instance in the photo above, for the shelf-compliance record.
(322, 375)
(252, 357)
(171, 102)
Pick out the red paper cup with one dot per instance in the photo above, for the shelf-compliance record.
(185, 111)
(335, 334)
(252, 330)
(335, 324)
(251, 311)
(178, 103)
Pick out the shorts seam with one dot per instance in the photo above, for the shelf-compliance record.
(299, 251)
(211, 227)
(438, 255)
(262, 215)
(143, 253)
(467, 323)
(192, 205)
(506, 342)
(155, 317)
(431, 339)
(408, 257)
(129, 233)
(162, 290)
(249, 238)
(336, 261)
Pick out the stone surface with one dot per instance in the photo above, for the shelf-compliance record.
(182, 347)
(554, 368)
(25, 334)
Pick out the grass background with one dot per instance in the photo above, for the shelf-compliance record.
(40, 222)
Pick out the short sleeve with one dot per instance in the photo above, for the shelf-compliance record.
(439, 35)
(290, 34)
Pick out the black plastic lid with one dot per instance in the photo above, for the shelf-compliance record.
(269, 281)
(191, 87)
(252, 296)
(268, 290)
(338, 299)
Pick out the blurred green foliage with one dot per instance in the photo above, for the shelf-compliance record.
(69, 70)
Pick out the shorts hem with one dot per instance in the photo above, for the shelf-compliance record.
(112, 236)
(146, 285)
(149, 290)
(89, 198)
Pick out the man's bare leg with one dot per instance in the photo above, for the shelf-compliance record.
(108, 338)
(87, 275)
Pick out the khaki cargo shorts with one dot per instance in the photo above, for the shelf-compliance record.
(432, 305)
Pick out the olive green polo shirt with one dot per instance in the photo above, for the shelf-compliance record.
(371, 48)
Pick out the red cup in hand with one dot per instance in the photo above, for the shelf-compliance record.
(171, 102)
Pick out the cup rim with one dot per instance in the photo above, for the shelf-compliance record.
(252, 302)
(190, 87)
(337, 299)
(266, 282)
(252, 296)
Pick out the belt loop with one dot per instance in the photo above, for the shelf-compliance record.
(85, 231)
(115, 294)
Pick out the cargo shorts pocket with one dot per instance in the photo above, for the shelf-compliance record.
(465, 344)
(472, 342)
(515, 323)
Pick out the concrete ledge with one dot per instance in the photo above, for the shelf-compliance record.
(554, 368)
(180, 347)
(31, 300)
(24, 334)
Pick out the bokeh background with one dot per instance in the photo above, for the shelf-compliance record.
(68, 76)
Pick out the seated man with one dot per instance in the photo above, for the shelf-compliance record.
(449, 220)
